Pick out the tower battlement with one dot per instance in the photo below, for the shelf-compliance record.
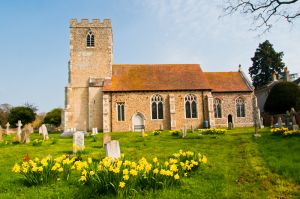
(94, 23)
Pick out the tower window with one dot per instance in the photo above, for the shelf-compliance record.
(190, 106)
(90, 39)
(157, 107)
(120, 107)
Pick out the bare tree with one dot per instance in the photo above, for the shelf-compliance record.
(265, 12)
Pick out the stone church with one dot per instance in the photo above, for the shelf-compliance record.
(131, 97)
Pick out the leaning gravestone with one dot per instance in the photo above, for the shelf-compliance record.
(112, 149)
(78, 141)
(106, 138)
(43, 130)
(26, 131)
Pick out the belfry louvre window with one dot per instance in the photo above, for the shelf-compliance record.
(157, 107)
(190, 106)
(240, 107)
(120, 107)
(217, 108)
(90, 40)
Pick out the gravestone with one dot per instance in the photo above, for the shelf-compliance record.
(230, 126)
(112, 149)
(25, 135)
(287, 119)
(183, 132)
(94, 131)
(262, 123)
(78, 141)
(271, 121)
(293, 115)
(279, 122)
(143, 132)
(256, 122)
(7, 128)
(19, 132)
(106, 138)
(43, 130)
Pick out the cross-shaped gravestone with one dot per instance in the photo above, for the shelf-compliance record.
(112, 149)
(19, 132)
(78, 141)
(7, 127)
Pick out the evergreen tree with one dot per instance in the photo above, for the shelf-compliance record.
(265, 61)
(25, 114)
(53, 117)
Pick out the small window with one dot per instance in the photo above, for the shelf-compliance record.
(217, 108)
(240, 107)
(157, 107)
(120, 107)
(190, 106)
(90, 40)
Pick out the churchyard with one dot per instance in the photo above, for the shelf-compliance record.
(238, 164)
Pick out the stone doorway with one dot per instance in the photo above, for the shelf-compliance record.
(138, 122)
(229, 121)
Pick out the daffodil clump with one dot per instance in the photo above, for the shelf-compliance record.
(212, 131)
(41, 171)
(156, 132)
(278, 131)
(292, 133)
(128, 177)
(175, 132)
(37, 142)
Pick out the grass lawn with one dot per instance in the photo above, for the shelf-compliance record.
(239, 166)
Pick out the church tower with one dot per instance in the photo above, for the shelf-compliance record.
(91, 51)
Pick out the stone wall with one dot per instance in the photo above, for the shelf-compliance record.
(229, 107)
(140, 102)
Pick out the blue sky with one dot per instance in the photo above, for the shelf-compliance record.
(34, 41)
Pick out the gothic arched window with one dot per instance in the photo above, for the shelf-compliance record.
(190, 106)
(157, 107)
(217, 108)
(90, 40)
(240, 107)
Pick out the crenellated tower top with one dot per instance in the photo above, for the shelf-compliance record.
(95, 23)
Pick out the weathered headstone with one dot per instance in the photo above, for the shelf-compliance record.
(287, 119)
(279, 122)
(106, 138)
(262, 123)
(256, 122)
(183, 132)
(43, 130)
(7, 128)
(19, 132)
(25, 135)
(230, 126)
(78, 141)
(94, 131)
(293, 115)
(271, 121)
(112, 149)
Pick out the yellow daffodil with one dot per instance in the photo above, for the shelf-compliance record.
(122, 184)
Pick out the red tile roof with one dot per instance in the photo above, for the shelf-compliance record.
(226, 81)
(158, 77)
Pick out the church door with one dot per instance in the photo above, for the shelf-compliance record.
(138, 122)
(230, 122)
